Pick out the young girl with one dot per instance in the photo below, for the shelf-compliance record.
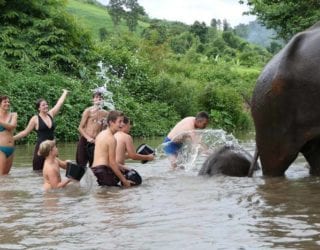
(52, 165)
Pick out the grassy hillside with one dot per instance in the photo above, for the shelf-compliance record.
(94, 17)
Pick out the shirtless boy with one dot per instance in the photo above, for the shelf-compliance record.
(52, 165)
(125, 148)
(105, 167)
(182, 130)
(91, 124)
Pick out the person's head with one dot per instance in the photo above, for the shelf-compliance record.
(127, 124)
(4, 102)
(202, 120)
(115, 120)
(46, 147)
(42, 105)
(97, 98)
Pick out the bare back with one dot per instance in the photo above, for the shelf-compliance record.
(104, 140)
(123, 139)
(186, 124)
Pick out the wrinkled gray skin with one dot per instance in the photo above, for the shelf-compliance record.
(228, 160)
(285, 106)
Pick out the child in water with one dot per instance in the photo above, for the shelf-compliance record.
(52, 165)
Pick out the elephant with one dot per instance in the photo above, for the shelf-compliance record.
(228, 160)
(285, 105)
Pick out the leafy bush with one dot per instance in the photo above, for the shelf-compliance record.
(225, 107)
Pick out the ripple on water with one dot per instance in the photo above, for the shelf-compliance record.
(172, 209)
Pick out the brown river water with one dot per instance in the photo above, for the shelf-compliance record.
(172, 209)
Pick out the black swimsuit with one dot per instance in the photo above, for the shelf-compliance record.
(43, 133)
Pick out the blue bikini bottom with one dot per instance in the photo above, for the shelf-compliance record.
(7, 150)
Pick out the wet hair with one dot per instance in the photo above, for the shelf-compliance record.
(3, 97)
(127, 120)
(113, 116)
(38, 102)
(202, 115)
(99, 94)
(45, 147)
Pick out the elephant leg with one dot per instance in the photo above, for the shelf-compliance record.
(276, 161)
(311, 152)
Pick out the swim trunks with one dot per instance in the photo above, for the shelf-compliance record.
(105, 176)
(7, 150)
(170, 147)
(85, 152)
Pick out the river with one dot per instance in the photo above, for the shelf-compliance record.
(172, 209)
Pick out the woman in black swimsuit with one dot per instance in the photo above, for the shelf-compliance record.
(44, 125)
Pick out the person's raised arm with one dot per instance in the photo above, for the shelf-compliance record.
(31, 126)
(54, 111)
(12, 124)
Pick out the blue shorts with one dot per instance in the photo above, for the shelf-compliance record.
(170, 147)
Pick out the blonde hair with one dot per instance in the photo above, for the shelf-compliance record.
(45, 147)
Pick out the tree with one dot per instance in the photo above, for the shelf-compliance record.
(226, 25)
(128, 10)
(116, 11)
(214, 23)
(286, 17)
(200, 30)
(42, 31)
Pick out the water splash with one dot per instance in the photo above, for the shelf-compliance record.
(108, 75)
(207, 141)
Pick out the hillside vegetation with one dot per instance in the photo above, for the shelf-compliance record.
(158, 74)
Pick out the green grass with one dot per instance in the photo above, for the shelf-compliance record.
(93, 18)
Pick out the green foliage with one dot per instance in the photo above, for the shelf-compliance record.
(167, 72)
(287, 17)
(149, 118)
(26, 86)
(43, 32)
(129, 10)
(180, 44)
(200, 30)
(225, 107)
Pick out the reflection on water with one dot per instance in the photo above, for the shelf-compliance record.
(172, 209)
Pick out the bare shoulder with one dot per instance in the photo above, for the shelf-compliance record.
(104, 112)
(86, 111)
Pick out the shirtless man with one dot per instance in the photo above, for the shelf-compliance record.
(182, 130)
(51, 166)
(91, 124)
(125, 148)
(105, 167)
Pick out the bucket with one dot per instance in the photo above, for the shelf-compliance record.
(74, 171)
(134, 176)
(144, 149)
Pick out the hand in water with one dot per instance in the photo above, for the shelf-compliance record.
(127, 183)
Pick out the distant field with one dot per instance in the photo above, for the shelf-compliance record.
(94, 18)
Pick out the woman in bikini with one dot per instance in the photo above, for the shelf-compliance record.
(8, 122)
(44, 125)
